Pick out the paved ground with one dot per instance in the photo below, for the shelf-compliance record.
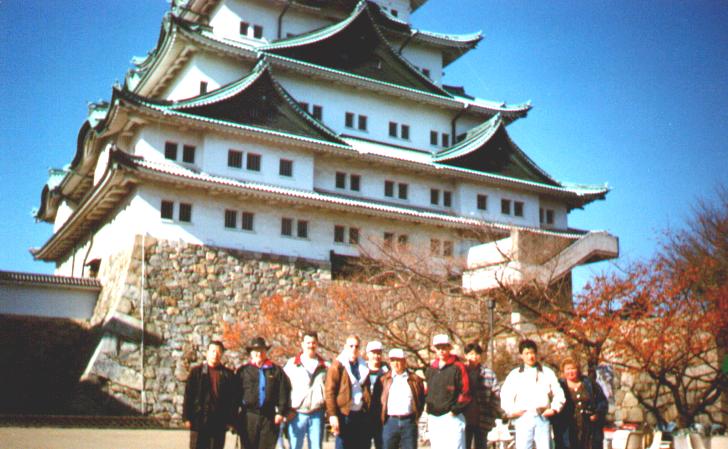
(59, 438)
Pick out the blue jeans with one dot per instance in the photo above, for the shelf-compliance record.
(533, 429)
(400, 433)
(310, 425)
(354, 432)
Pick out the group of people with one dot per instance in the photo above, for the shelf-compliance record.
(368, 401)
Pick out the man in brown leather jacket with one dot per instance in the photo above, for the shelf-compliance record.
(403, 400)
(348, 397)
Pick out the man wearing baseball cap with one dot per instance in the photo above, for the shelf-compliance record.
(448, 394)
(376, 370)
(403, 400)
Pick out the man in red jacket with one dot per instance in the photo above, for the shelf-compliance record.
(448, 394)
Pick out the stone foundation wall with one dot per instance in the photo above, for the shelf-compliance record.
(190, 291)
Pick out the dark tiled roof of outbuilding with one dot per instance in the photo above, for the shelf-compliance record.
(16, 277)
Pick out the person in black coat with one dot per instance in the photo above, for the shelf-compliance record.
(208, 408)
(263, 398)
(579, 423)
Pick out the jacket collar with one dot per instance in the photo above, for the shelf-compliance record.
(298, 362)
(538, 367)
(450, 360)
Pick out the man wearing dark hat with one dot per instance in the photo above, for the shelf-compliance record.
(263, 398)
(208, 407)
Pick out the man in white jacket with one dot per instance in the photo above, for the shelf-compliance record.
(530, 395)
(307, 373)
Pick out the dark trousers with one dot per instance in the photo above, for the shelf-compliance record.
(354, 432)
(375, 428)
(400, 433)
(258, 432)
(206, 439)
(474, 434)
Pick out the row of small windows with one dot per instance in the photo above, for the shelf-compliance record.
(342, 234)
(398, 130)
(251, 30)
(546, 216)
(402, 189)
(446, 197)
(316, 111)
(253, 162)
(439, 139)
(171, 152)
(508, 207)
(354, 181)
(184, 211)
(351, 119)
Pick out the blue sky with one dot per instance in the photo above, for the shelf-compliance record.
(630, 93)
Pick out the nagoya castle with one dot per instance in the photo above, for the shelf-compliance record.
(258, 145)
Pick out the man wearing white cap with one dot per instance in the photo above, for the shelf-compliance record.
(403, 400)
(376, 370)
(448, 394)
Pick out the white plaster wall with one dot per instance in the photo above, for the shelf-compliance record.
(208, 226)
(216, 151)
(47, 301)
(114, 235)
(149, 143)
(372, 183)
(561, 214)
(468, 193)
(225, 19)
(401, 6)
(424, 58)
(380, 110)
(295, 23)
(214, 70)
(64, 212)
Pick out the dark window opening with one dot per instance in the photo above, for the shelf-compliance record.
(170, 150)
(287, 226)
(354, 182)
(167, 210)
(188, 154)
(302, 229)
(247, 221)
(253, 162)
(185, 212)
(235, 159)
(285, 167)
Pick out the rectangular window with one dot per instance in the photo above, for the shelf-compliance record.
(203, 87)
(257, 31)
(235, 159)
(253, 162)
(402, 241)
(287, 226)
(482, 202)
(389, 188)
(363, 122)
(170, 150)
(405, 132)
(434, 196)
(246, 222)
(540, 215)
(349, 120)
(318, 112)
(188, 154)
(355, 182)
(402, 194)
(244, 26)
(506, 207)
(303, 105)
(285, 168)
(445, 140)
(388, 240)
(185, 212)
(339, 232)
(549, 216)
(518, 208)
(434, 247)
(434, 136)
(302, 229)
(231, 218)
(447, 248)
(392, 129)
(354, 236)
(167, 210)
(340, 180)
(446, 198)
